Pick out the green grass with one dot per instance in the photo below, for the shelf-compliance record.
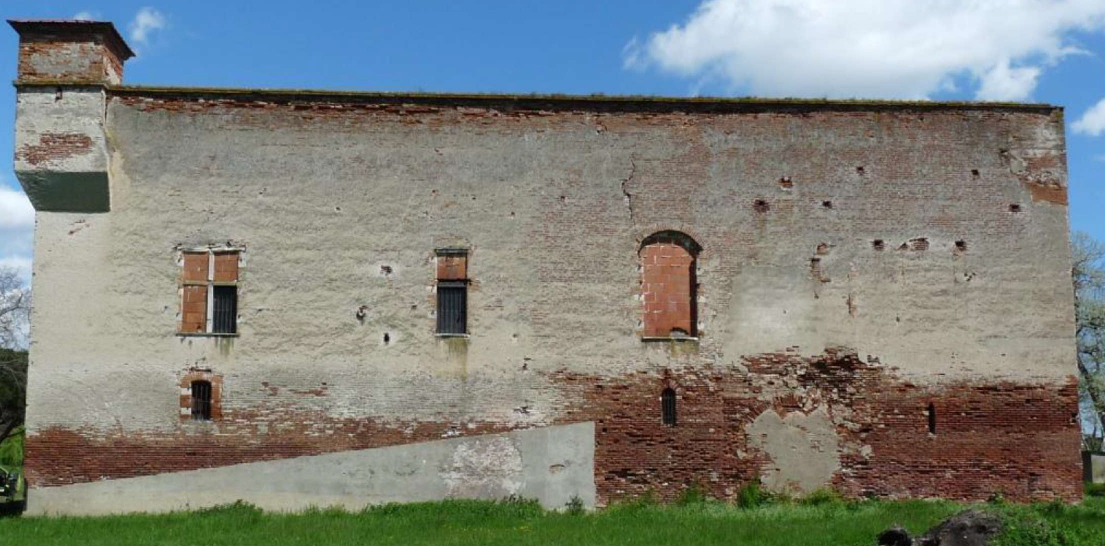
(829, 521)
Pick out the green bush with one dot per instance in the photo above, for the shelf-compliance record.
(11, 450)
(1095, 489)
(693, 494)
(751, 496)
(822, 497)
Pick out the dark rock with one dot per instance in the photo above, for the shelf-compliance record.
(895, 536)
(970, 528)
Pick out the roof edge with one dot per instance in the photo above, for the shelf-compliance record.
(557, 101)
(76, 26)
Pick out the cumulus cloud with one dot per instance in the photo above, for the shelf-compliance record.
(146, 22)
(870, 48)
(16, 211)
(1092, 122)
(17, 224)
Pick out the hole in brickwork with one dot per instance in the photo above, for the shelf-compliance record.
(974, 173)
(919, 243)
(387, 338)
(878, 244)
(760, 205)
(667, 406)
(386, 270)
(827, 204)
(1014, 208)
(961, 246)
(859, 170)
(932, 418)
(786, 183)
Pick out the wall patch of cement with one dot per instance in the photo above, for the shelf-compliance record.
(804, 449)
(552, 464)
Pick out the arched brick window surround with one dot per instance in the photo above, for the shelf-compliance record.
(669, 286)
(216, 382)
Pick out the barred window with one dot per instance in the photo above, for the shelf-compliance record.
(667, 406)
(210, 295)
(201, 400)
(452, 291)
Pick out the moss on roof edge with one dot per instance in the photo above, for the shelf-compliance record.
(561, 101)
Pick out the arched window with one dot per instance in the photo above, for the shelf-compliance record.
(667, 406)
(201, 400)
(669, 285)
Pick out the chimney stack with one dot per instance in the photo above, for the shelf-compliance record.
(70, 52)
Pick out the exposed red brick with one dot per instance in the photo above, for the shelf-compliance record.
(53, 147)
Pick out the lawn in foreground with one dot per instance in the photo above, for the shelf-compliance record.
(475, 522)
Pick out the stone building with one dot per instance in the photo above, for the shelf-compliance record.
(314, 297)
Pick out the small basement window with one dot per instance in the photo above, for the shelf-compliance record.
(932, 418)
(201, 400)
(667, 406)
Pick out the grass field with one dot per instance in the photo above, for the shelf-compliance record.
(828, 522)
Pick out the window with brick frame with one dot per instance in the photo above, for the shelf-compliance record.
(200, 396)
(210, 292)
(452, 292)
(669, 286)
(201, 400)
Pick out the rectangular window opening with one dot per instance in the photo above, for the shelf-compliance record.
(210, 301)
(452, 307)
(224, 320)
(201, 400)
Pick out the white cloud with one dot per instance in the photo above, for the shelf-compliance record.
(1003, 82)
(1092, 122)
(17, 225)
(87, 16)
(16, 211)
(146, 22)
(870, 48)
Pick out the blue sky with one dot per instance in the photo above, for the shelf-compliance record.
(1049, 51)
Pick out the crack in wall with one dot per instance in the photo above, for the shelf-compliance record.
(625, 192)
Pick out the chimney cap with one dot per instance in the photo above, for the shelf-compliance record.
(75, 28)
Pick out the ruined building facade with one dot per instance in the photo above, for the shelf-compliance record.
(323, 297)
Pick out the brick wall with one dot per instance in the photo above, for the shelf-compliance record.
(886, 229)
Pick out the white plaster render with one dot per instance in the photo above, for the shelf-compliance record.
(323, 203)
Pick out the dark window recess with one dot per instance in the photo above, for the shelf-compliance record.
(667, 404)
(201, 400)
(452, 307)
(932, 418)
(224, 320)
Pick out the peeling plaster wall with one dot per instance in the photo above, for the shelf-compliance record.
(811, 223)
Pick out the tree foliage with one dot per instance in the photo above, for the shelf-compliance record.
(1088, 276)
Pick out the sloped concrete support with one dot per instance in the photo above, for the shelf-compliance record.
(552, 465)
